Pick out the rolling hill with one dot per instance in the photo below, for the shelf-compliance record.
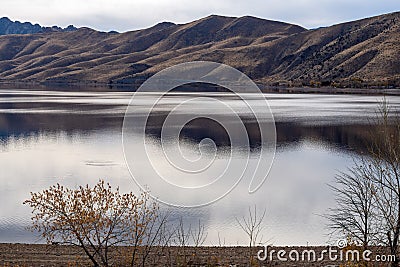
(358, 53)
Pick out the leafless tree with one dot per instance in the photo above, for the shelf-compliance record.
(182, 234)
(182, 241)
(384, 172)
(157, 238)
(220, 242)
(186, 236)
(368, 195)
(252, 225)
(198, 234)
(355, 212)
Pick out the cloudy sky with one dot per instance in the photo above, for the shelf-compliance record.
(123, 15)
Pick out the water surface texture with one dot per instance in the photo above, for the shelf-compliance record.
(74, 138)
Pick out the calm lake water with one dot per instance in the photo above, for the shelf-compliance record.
(74, 137)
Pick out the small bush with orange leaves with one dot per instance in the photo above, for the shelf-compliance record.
(94, 218)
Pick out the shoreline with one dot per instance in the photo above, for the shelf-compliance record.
(62, 255)
(264, 88)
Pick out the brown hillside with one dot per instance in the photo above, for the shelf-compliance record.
(268, 51)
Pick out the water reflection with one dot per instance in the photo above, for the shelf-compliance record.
(343, 136)
(75, 138)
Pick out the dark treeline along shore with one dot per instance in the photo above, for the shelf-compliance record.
(357, 54)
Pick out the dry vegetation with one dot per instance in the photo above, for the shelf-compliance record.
(24, 255)
(356, 54)
(368, 194)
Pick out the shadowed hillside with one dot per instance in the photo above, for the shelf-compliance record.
(360, 53)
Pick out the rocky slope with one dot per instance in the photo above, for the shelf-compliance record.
(15, 27)
(359, 53)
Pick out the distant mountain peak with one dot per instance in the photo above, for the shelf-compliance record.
(7, 26)
(165, 24)
(5, 19)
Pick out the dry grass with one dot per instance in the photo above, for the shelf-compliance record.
(265, 50)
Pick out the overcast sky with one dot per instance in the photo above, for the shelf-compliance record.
(123, 15)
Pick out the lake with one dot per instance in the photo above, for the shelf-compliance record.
(74, 137)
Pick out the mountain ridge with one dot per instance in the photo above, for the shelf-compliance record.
(7, 26)
(358, 53)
